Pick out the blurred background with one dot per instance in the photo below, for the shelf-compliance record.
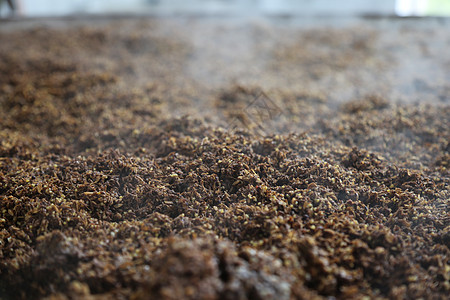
(41, 8)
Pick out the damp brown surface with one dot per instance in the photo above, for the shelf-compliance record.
(209, 159)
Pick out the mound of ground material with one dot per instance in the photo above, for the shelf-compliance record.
(224, 159)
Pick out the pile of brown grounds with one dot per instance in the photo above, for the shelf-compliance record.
(133, 167)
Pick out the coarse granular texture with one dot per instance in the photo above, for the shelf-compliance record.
(239, 161)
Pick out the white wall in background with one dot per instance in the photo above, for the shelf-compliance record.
(66, 7)
(283, 7)
(329, 7)
(410, 7)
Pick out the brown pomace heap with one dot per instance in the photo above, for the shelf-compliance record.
(135, 163)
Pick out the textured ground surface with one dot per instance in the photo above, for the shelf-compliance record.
(224, 158)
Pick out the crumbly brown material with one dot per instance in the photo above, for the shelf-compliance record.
(105, 193)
